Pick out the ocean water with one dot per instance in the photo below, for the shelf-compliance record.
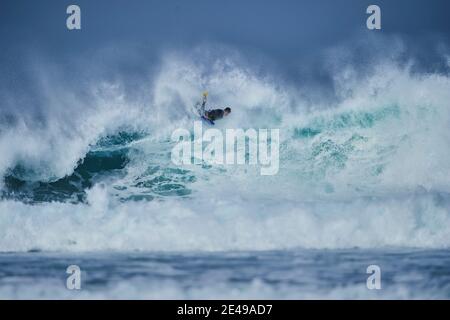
(363, 179)
(281, 274)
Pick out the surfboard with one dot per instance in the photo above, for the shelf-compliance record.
(207, 121)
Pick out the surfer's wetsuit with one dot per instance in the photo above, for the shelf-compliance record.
(212, 115)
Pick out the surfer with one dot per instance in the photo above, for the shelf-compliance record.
(212, 115)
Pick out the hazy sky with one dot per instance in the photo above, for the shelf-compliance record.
(286, 27)
(287, 32)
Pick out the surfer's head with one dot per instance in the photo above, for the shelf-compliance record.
(226, 111)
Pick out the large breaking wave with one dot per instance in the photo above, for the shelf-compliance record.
(367, 169)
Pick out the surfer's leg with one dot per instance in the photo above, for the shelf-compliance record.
(202, 108)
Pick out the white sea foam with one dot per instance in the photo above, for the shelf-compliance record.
(215, 223)
(140, 288)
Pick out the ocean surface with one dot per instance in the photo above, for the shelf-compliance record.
(287, 274)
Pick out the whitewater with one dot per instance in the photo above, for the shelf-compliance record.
(91, 175)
